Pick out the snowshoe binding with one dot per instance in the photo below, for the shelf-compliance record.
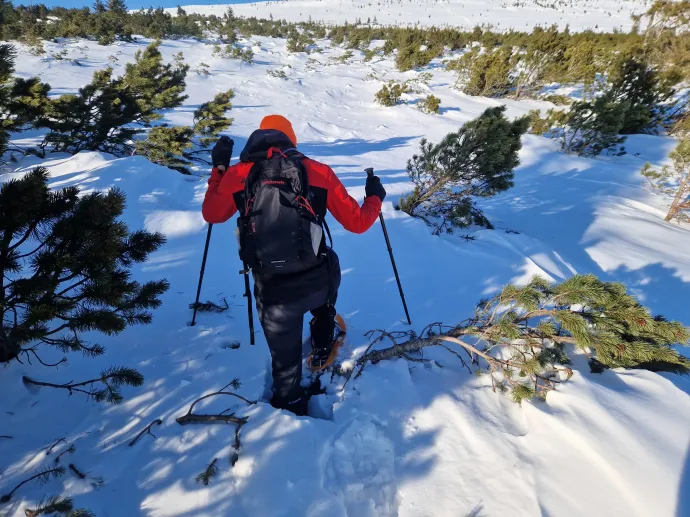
(321, 358)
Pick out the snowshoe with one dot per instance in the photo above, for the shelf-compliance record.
(321, 358)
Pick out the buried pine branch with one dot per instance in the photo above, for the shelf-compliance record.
(51, 505)
(112, 379)
(191, 418)
(42, 476)
(58, 505)
(209, 473)
(520, 336)
(57, 442)
(209, 306)
(71, 450)
(146, 430)
(76, 471)
(220, 418)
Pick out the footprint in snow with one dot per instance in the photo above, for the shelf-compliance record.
(359, 473)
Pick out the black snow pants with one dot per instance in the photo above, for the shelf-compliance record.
(282, 303)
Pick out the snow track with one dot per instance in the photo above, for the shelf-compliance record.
(359, 471)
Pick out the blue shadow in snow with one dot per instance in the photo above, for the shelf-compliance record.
(354, 146)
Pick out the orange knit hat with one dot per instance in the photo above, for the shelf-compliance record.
(281, 124)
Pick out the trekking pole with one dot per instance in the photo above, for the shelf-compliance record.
(370, 172)
(248, 295)
(201, 273)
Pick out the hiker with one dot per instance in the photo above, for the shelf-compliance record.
(282, 198)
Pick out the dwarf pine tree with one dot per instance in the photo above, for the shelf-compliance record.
(97, 118)
(582, 65)
(673, 181)
(65, 262)
(391, 94)
(637, 85)
(541, 60)
(22, 101)
(167, 146)
(430, 104)
(106, 114)
(156, 86)
(477, 161)
(179, 147)
(592, 127)
(210, 118)
(486, 74)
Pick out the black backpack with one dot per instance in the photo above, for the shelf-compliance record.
(278, 231)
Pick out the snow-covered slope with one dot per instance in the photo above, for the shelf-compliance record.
(604, 15)
(403, 439)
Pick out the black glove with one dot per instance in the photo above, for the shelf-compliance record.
(374, 187)
(222, 152)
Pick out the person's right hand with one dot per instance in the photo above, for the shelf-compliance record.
(374, 187)
(222, 152)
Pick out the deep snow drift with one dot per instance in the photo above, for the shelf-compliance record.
(403, 439)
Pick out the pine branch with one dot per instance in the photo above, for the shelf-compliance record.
(209, 473)
(112, 379)
(146, 430)
(51, 505)
(42, 476)
(209, 306)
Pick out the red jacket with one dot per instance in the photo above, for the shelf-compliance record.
(219, 203)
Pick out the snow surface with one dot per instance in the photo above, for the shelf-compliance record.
(403, 439)
(579, 15)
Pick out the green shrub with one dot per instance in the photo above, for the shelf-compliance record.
(390, 94)
(430, 104)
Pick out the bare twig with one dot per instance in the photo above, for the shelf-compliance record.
(250, 402)
(71, 450)
(38, 358)
(146, 430)
(210, 419)
(76, 471)
(58, 442)
(221, 418)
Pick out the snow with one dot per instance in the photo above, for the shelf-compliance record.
(404, 439)
(579, 15)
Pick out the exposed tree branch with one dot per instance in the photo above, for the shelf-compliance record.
(146, 430)
(58, 442)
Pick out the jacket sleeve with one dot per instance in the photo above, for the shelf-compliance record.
(347, 211)
(218, 206)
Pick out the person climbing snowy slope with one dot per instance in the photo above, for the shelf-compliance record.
(282, 197)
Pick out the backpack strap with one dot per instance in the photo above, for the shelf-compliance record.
(328, 231)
